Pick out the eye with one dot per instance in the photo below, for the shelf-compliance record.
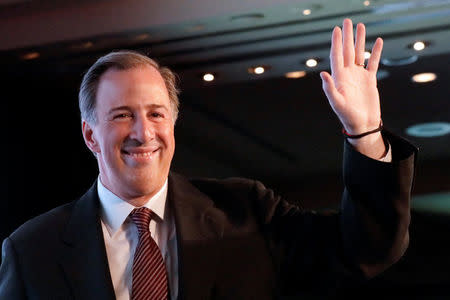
(122, 116)
(156, 115)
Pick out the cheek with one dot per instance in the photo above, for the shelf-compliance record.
(114, 136)
(167, 135)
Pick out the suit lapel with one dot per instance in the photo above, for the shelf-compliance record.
(199, 228)
(84, 258)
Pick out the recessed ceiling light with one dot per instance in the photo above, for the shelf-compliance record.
(367, 54)
(295, 74)
(208, 77)
(423, 77)
(307, 11)
(30, 55)
(418, 46)
(366, 3)
(400, 61)
(259, 70)
(433, 129)
(312, 62)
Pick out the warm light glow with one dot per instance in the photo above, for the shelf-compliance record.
(208, 77)
(307, 12)
(367, 55)
(418, 46)
(142, 37)
(424, 77)
(82, 46)
(366, 3)
(311, 62)
(31, 55)
(258, 70)
(295, 74)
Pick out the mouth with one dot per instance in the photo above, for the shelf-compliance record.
(140, 155)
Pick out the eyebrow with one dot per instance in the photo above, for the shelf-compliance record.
(125, 107)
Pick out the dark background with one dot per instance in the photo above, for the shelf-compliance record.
(278, 130)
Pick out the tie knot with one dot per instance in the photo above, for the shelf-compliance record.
(141, 217)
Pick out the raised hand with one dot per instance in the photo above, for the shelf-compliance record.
(351, 88)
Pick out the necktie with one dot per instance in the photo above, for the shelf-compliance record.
(149, 271)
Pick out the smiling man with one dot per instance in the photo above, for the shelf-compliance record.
(144, 232)
(132, 134)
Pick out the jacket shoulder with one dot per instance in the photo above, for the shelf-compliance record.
(231, 184)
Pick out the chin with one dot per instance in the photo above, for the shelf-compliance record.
(144, 185)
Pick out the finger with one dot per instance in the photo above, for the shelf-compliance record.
(330, 90)
(360, 43)
(374, 59)
(336, 59)
(349, 50)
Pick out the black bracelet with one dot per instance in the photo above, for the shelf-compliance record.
(357, 136)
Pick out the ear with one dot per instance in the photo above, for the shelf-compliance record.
(89, 138)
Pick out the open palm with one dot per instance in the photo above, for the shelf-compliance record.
(351, 88)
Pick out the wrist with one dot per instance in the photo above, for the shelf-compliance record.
(363, 133)
(371, 145)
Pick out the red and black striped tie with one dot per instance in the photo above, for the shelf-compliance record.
(149, 271)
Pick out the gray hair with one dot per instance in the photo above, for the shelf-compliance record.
(121, 60)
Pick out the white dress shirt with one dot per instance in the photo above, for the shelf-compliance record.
(121, 238)
(388, 157)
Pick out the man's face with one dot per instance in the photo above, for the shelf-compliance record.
(134, 135)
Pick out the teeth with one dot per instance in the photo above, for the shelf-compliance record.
(145, 154)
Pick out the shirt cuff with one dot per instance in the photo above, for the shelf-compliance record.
(388, 157)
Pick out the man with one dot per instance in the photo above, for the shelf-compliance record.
(210, 239)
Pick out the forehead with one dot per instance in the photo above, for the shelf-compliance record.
(140, 85)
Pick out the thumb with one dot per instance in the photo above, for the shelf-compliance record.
(329, 88)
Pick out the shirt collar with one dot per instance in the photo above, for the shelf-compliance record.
(114, 210)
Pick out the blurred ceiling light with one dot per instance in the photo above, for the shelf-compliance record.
(208, 77)
(367, 55)
(295, 74)
(259, 70)
(399, 61)
(418, 46)
(366, 3)
(423, 77)
(30, 55)
(382, 74)
(432, 129)
(435, 203)
(312, 62)
(307, 11)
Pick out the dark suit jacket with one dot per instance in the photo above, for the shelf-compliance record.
(236, 238)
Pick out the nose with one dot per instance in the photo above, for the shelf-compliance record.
(143, 130)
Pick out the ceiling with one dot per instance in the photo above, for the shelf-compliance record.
(266, 126)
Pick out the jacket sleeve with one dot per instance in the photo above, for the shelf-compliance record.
(376, 206)
(368, 234)
(11, 284)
